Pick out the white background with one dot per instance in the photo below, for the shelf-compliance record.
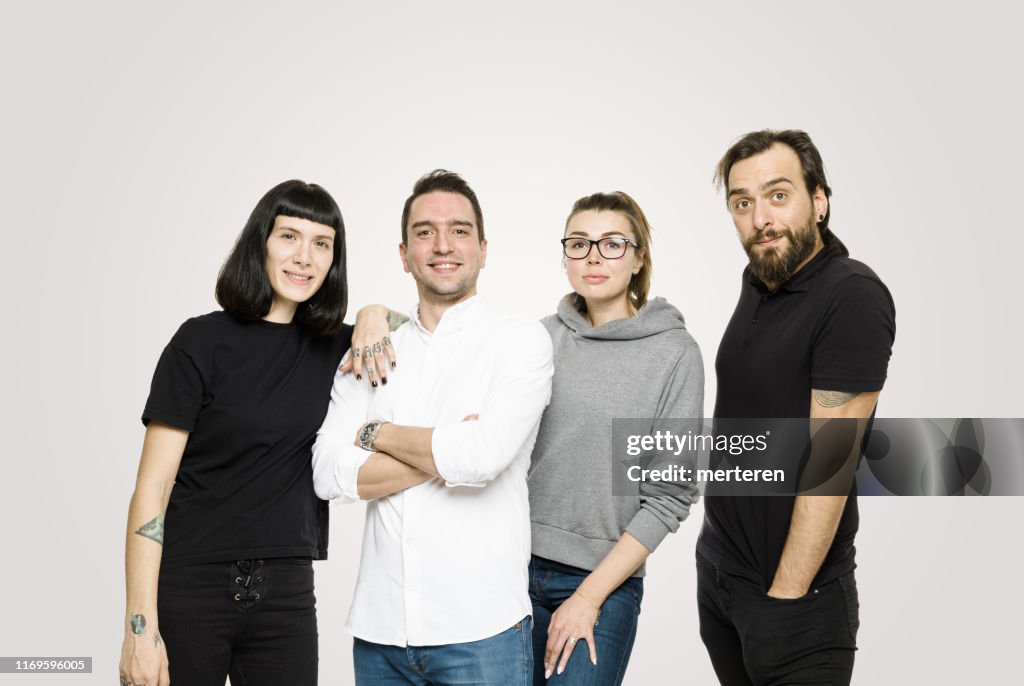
(137, 136)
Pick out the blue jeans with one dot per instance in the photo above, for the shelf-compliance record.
(502, 660)
(551, 583)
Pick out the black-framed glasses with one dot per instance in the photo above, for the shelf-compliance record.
(610, 248)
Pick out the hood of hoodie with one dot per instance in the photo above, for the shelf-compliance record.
(657, 316)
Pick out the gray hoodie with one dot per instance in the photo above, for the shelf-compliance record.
(646, 366)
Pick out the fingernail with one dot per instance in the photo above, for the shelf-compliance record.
(393, 365)
(374, 383)
(593, 661)
(384, 381)
(547, 673)
(359, 377)
(560, 668)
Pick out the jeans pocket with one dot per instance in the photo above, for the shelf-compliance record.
(849, 584)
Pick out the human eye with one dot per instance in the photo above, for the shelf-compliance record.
(779, 196)
(424, 233)
(579, 244)
(615, 242)
(741, 205)
(288, 236)
(322, 244)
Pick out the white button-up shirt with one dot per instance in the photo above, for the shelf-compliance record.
(445, 561)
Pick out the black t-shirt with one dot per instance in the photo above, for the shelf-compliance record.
(252, 395)
(830, 327)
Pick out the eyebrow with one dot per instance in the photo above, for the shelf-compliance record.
(294, 229)
(606, 234)
(454, 222)
(764, 186)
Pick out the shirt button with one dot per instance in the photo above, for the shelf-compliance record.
(754, 320)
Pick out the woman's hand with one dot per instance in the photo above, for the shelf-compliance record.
(371, 350)
(143, 657)
(573, 621)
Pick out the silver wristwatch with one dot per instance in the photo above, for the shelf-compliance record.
(369, 434)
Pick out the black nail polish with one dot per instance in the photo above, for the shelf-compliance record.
(359, 377)
(393, 365)
(384, 381)
(374, 383)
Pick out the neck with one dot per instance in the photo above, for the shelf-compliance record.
(603, 311)
(281, 312)
(433, 307)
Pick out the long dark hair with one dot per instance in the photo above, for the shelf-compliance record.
(243, 288)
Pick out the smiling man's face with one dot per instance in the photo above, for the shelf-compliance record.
(444, 252)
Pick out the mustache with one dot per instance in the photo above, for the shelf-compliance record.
(768, 234)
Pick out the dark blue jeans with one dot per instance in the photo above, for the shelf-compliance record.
(756, 640)
(254, 620)
(502, 660)
(551, 583)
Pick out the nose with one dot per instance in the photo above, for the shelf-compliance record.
(763, 216)
(594, 256)
(302, 253)
(442, 245)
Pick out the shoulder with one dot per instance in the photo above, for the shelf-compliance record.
(519, 336)
(553, 324)
(197, 331)
(849, 280)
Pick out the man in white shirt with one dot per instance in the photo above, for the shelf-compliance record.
(440, 454)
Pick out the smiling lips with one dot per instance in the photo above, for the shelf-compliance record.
(595, 278)
(445, 267)
(298, 279)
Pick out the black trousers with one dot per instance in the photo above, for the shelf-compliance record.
(754, 640)
(252, 620)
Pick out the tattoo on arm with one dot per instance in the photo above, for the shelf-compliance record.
(396, 319)
(833, 398)
(153, 529)
(157, 640)
(138, 623)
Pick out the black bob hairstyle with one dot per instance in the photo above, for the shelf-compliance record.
(243, 287)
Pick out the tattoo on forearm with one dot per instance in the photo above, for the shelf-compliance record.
(833, 398)
(138, 623)
(153, 529)
(396, 319)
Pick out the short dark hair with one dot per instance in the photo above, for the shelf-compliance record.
(757, 142)
(243, 287)
(446, 182)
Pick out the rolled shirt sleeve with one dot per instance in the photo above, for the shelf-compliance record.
(471, 453)
(336, 460)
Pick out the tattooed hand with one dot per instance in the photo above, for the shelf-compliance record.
(143, 653)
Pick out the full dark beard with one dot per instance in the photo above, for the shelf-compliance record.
(774, 266)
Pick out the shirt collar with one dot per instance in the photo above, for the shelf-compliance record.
(454, 318)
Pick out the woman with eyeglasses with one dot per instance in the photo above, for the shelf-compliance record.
(233, 410)
(617, 355)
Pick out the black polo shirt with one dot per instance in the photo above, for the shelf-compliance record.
(830, 327)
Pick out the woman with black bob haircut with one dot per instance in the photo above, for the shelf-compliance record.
(224, 524)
